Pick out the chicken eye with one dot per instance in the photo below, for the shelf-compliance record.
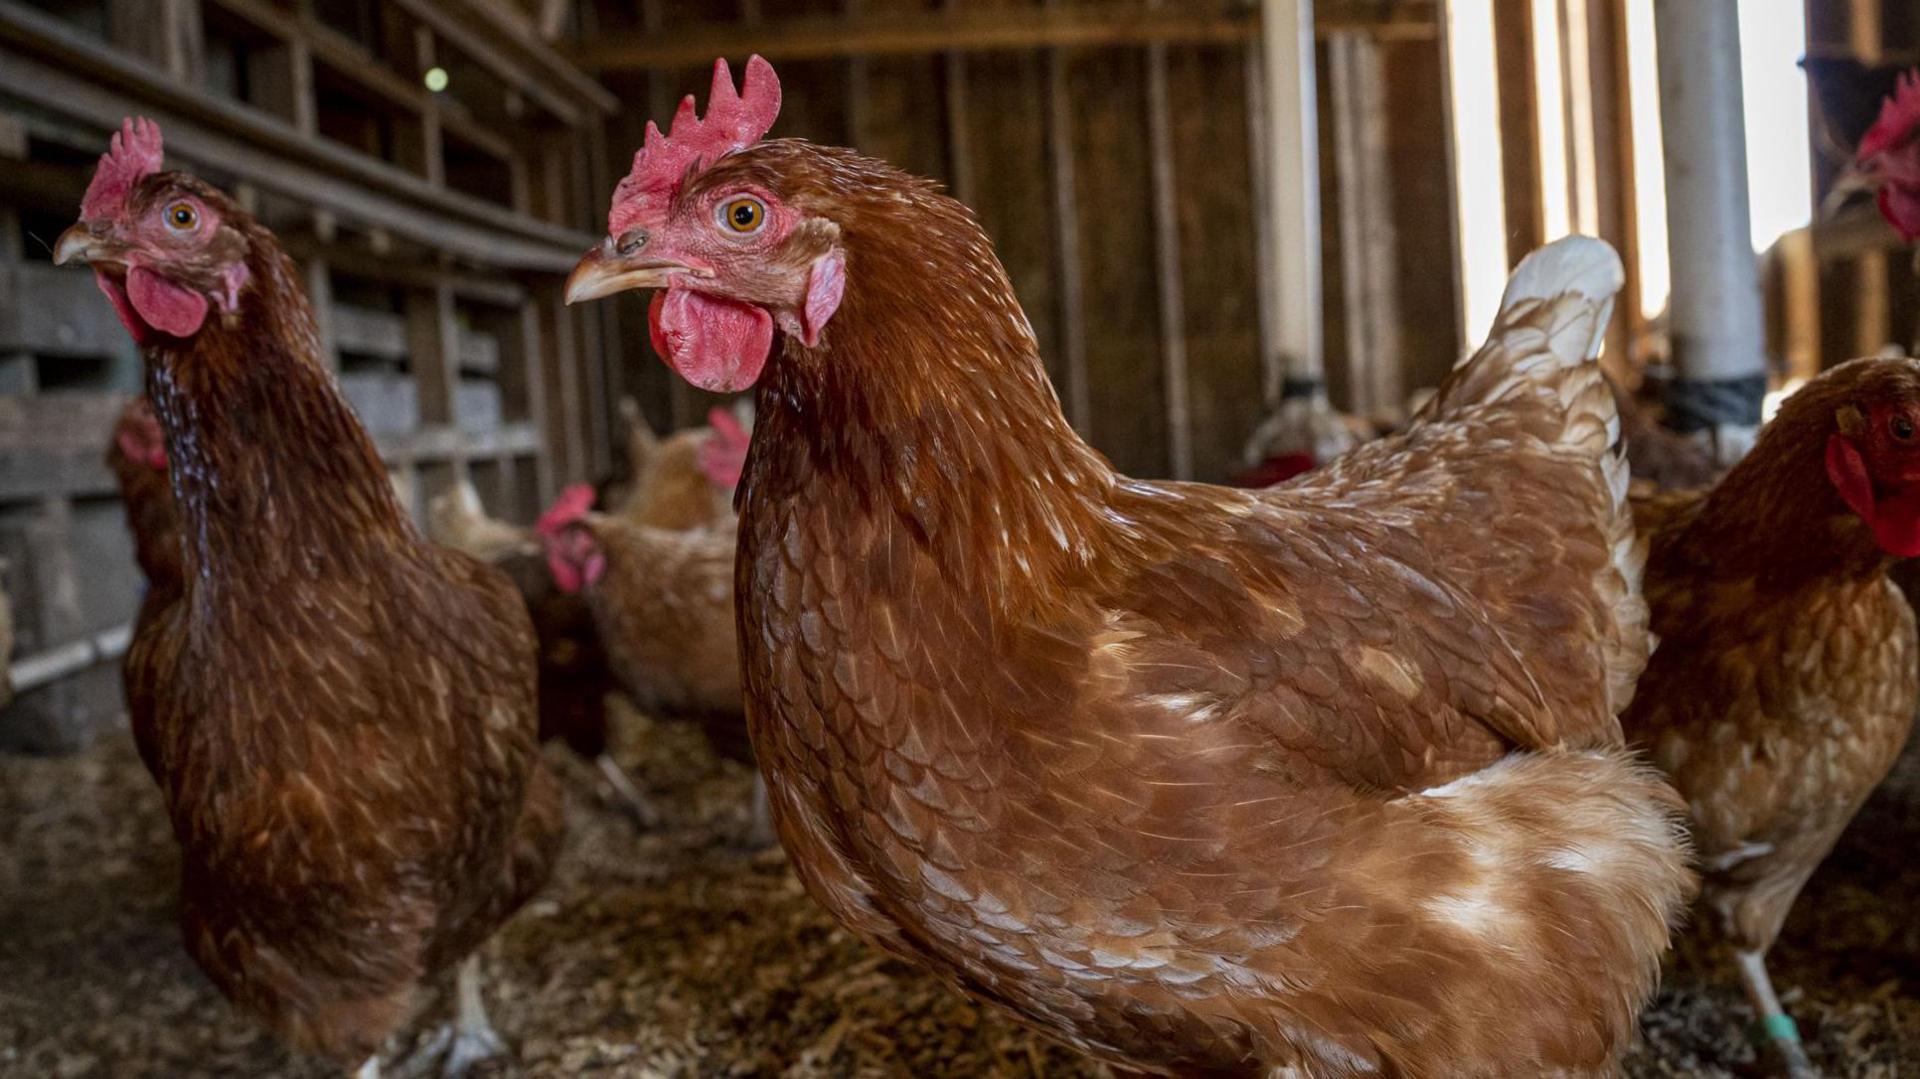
(182, 217)
(743, 215)
(1900, 427)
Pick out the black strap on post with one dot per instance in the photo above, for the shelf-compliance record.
(1695, 404)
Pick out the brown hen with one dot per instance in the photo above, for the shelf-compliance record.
(1323, 780)
(340, 715)
(1785, 680)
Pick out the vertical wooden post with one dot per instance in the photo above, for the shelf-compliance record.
(1357, 78)
(1166, 252)
(166, 33)
(432, 341)
(959, 154)
(1066, 233)
(1873, 314)
(1716, 319)
(282, 81)
(1293, 179)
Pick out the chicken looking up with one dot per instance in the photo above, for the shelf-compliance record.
(662, 600)
(1324, 779)
(1785, 681)
(341, 714)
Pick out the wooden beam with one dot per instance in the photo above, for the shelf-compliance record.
(1199, 22)
(1166, 257)
(164, 33)
(431, 335)
(60, 69)
(1368, 243)
(1066, 230)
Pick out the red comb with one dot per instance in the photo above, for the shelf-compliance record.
(733, 120)
(133, 153)
(1899, 118)
(573, 504)
(723, 457)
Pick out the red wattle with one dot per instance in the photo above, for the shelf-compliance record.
(165, 306)
(718, 345)
(1894, 519)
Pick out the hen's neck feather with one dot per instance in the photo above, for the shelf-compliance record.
(275, 478)
(1776, 517)
(926, 401)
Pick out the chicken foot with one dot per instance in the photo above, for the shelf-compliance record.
(630, 795)
(760, 833)
(1781, 1037)
(470, 1038)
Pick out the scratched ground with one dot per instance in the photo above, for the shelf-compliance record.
(675, 953)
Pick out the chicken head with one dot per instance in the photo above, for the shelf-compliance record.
(1873, 452)
(160, 243)
(732, 255)
(1889, 157)
(573, 553)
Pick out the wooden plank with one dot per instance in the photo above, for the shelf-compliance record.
(1513, 50)
(58, 68)
(922, 32)
(318, 276)
(1127, 417)
(1072, 304)
(48, 309)
(165, 33)
(563, 428)
(953, 70)
(281, 77)
(1367, 234)
(1166, 260)
(431, 332)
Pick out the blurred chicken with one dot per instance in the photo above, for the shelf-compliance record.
(1320, 780)
(339, 714)
(685, 480)
(6, 640)
(1667, 459)
(137, 454)
(574, 676)
(457, 519)
(1785, 680)
(663, 602)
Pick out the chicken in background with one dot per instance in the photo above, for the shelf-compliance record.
(1785, 682)
(1663, 458)
(574, 679)
(1887, 161)
(339, 714)
(685, 480)
(663, 602)
(458, 519)
(137, 454)
(1324, 779)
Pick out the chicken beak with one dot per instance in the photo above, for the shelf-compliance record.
(77, 242)
(602, 273)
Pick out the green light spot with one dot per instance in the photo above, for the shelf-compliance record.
(436, 79)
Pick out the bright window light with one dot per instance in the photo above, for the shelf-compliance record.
(1779, 171)
(1479, 198)
(1649, 161)
(1550, 119)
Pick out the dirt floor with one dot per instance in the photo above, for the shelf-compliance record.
(678, 953)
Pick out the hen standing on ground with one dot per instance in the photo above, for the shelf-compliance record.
(1203, 781)
(1785, 681)
(340, 714)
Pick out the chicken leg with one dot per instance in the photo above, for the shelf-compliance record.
(470, 1038)
(1781, 1038)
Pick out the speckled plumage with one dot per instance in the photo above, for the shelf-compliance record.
(1202, 781)
(339, 714)
(1785, 682)
(665, 612)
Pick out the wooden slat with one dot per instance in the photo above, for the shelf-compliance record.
(1166, 258)
(1367, 239)
(1071, 316)
(58, 68)
(973, 30)
(431, 333)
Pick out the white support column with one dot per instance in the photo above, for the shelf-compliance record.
(1293, 185)
(1718, 336)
